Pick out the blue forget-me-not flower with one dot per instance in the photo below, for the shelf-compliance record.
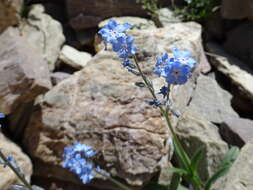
(112, 31)
(176, 69)
(78, 159)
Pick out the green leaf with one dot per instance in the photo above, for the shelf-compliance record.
(221, 172)
(197, 157)
(183, 159)
(175, 181)
(225, 165)
(230, 156)
(178, 171)
(180, 187)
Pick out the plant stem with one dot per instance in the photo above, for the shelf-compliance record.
(116, 182)
(166, 116)
(15, 171)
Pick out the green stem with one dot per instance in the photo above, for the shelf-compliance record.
(165, 114)
(116, 182)
(15, 171)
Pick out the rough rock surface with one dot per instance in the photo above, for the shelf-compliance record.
(155, 41)
(239, 74)
(57, 77)
(83, 14)
(99, 106)
(23, 72)
(167, 16)
(240, 174)
(210, 101)
(42, 30)
(10, 13)
(195, 132)
(7, 176)
(241, 38)
(73, 57)
(235, 9)
(136, 22)
(237, 131)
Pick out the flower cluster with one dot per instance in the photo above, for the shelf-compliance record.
(114, 33)
(176, 69)
(78, 159)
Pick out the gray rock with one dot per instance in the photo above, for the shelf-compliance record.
(237, 131)
(23, 75)
(241, 38)
(42, 30)
(196, 132)
(238, 73)
(234, 9)
(167, 16)
(73, 57)
(7, 175)
(10, 13)
(210, 101)
(240, 174)
(57, 77)
(83, 14)
(137, 22)
(99, 106)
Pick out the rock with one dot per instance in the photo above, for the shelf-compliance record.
(240, 174)
(211, 101)
(73, 57)
(167, 16)
(155, 41)
(196, 132)
(99, 106)
(57, 77)
(45, 32)
(83, 14)
(7, 175)
(23, 76)
(241, 38)
(137, 22)
(234, 9)
(239, 75)
(10, 13)
(237, 131)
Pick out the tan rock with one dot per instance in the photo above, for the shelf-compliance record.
(23, 75)
(7, 175)
(10, 13)
(100, 106)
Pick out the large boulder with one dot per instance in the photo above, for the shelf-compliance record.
(240, 174)
(241, 38)
(10, 13)
(8, 177)
(83, 14)
(47, 33)
(236, 9)
(239, 75)
(196, 132)
(237, 131)
(23, 76)
(99, 106)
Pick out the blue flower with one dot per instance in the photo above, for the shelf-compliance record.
(184, 57)
(124, 47)
(164, 91)
(112, 31)
(78, 159)
(155, 103)
(175, 70)
(161, 63)
(177, 73)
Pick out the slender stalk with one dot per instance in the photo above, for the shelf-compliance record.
(116, 182)
(165, 114)
(15, 171)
